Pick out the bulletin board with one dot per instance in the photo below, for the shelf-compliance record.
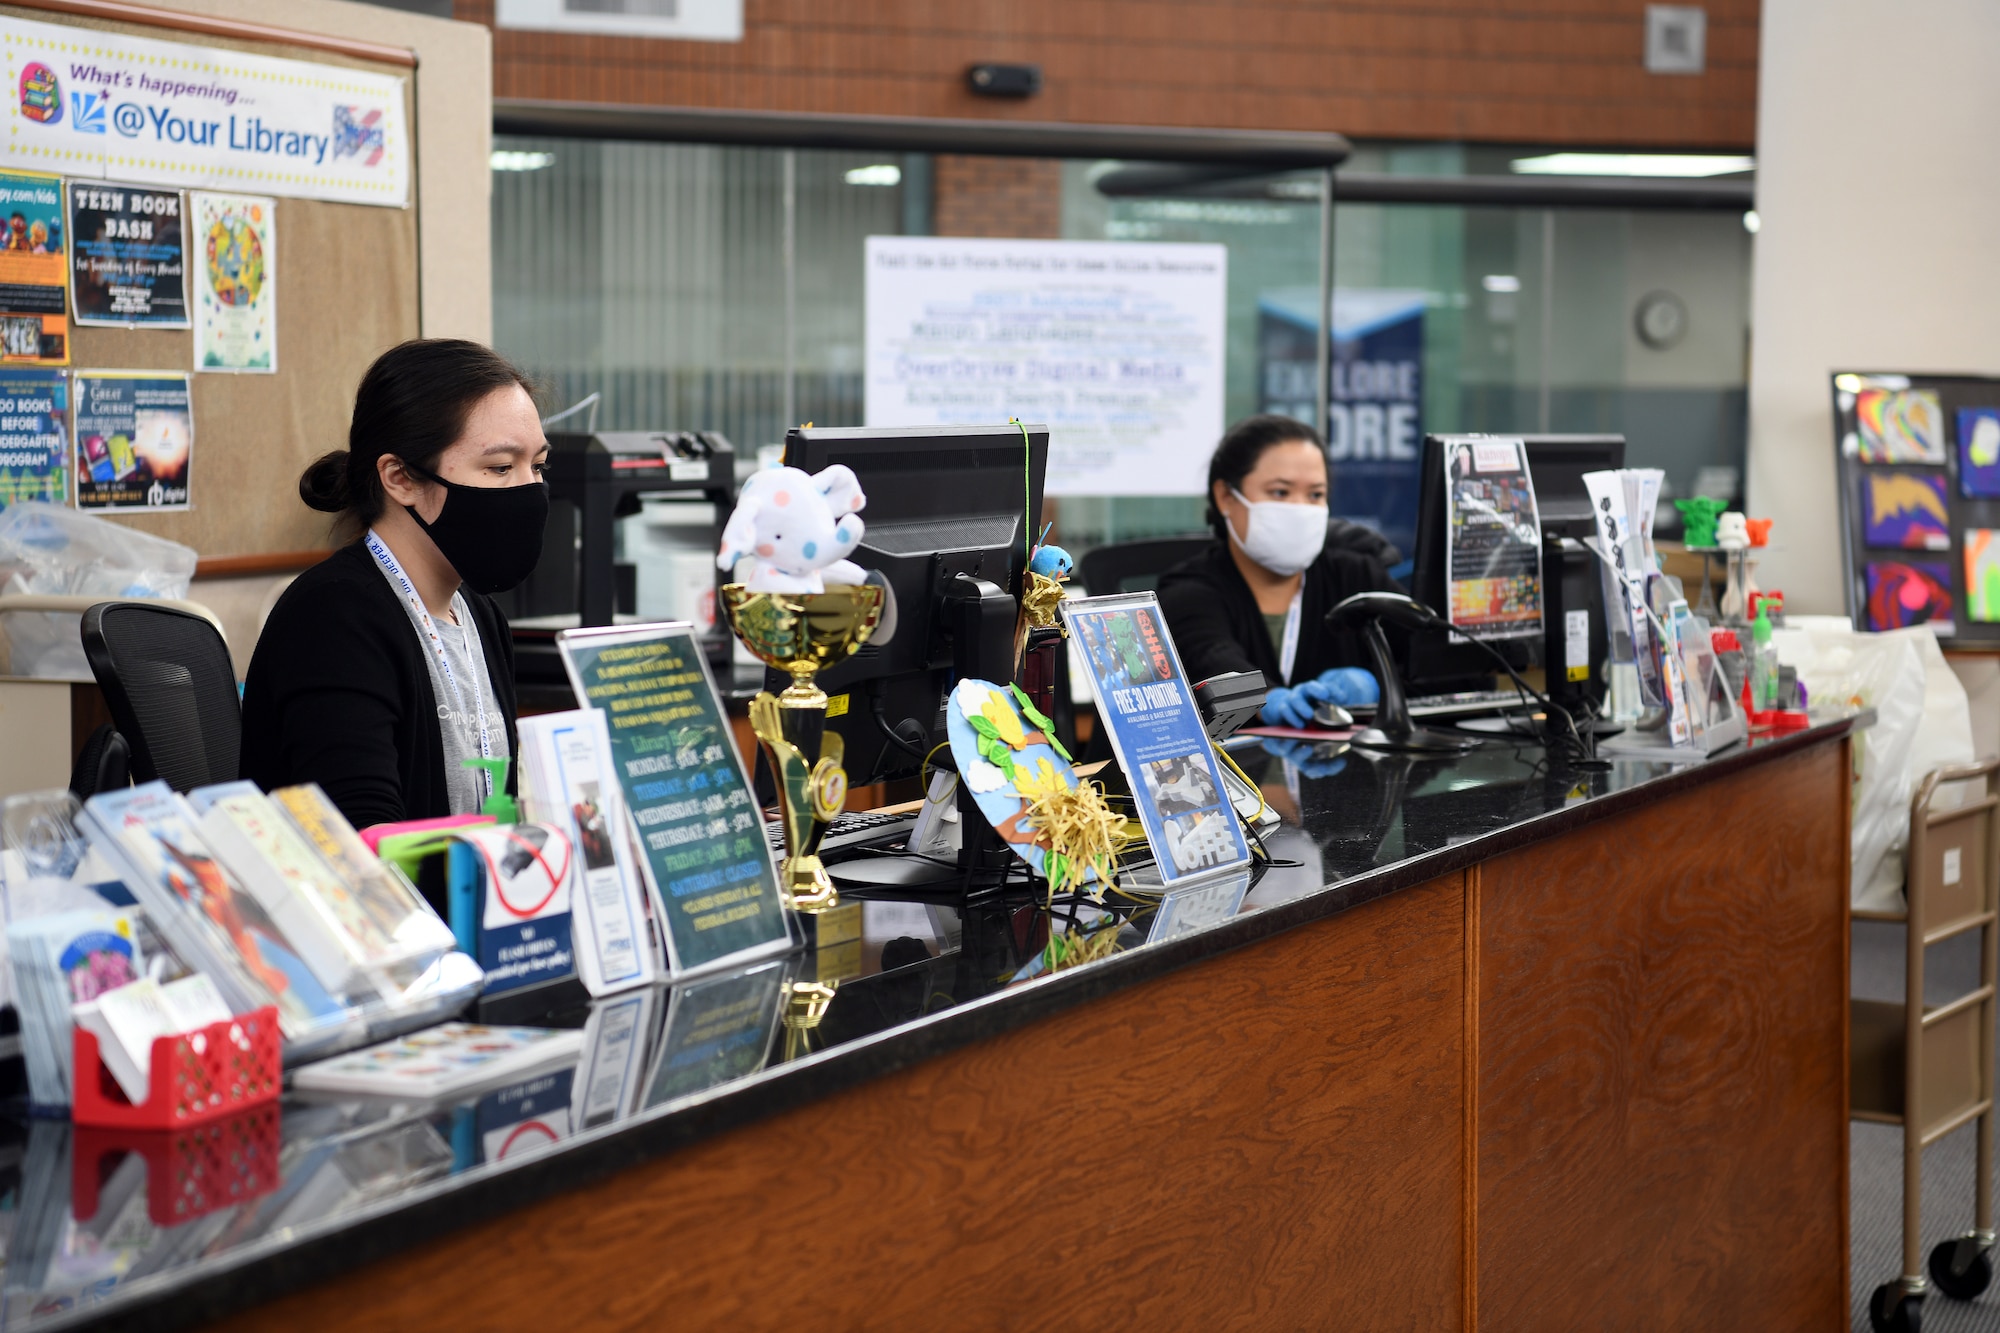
(347, 291)
(1919, 468)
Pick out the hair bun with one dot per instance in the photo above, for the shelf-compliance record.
(323, 485)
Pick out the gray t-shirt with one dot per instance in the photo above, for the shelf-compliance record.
(466, 787)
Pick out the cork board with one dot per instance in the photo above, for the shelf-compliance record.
(347, 291)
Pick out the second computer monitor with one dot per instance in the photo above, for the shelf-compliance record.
(943, 502)
(1557, 464)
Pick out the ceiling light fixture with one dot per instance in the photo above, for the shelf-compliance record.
(882, 173)
(1633, 164)
(508, 160)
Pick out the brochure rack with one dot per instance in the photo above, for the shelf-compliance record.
(195, 1077)
(189, 1174)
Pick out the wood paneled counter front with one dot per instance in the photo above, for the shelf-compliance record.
(1503, 1048)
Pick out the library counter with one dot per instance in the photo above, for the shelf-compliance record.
(1490, 1044)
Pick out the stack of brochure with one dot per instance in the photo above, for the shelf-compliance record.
(62, 960)
(567, 782)
(440, 1062)
(240, 888)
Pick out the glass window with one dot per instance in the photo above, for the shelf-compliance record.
(655, 273)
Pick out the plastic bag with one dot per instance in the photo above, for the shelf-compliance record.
(1923, 722)
(51, 550)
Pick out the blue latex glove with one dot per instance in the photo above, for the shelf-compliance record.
(1312, 760)
(1287, 707)
(1349, 686)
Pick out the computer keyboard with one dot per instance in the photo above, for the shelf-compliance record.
(1466, 703)
(849, 829)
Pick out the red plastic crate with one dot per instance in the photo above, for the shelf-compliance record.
(189, 1173)
(195, 1077)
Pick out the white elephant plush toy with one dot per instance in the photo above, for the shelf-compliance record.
(796, 529)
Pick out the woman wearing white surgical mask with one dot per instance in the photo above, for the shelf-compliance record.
(1257, 599)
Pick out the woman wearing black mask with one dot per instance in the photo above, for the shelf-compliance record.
(387, 665)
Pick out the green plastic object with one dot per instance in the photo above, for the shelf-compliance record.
(1764, 662)
(408, 851)
(1698, 517)
(500, 805)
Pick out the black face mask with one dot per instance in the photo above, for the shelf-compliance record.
(491, 534)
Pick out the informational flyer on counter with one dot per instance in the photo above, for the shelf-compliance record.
(235, 282)
(128, 263)
(34, 271)
(1493, 539)
(699, 832)
(1148, 708)
(34, 435)
(134, 439)
(1117, 345)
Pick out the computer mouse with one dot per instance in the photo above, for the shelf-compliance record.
(1332, 716)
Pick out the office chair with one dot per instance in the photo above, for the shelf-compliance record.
(171, 689)
(104, 764)
(1136, 566)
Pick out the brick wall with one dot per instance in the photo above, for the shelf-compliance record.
(1503, 71)
(997, 196)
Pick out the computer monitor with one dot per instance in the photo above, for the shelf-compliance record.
(1557, 464)
(946, 528)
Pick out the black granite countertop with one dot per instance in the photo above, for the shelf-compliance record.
(92, 1242)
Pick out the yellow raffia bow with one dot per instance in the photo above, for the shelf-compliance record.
(1040, 600)
(1084, 835)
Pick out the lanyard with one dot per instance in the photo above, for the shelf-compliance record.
(1291, 649)
(428, 628)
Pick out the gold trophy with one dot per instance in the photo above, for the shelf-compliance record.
(801, 633)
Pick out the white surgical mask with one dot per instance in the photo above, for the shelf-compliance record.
(1283, 538)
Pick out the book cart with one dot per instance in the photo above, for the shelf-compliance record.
(1930, 1069)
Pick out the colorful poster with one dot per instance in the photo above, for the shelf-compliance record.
(34, 435)
(167, 113)
(1493, 540)
(698, 829)
(34, 272)
(1909, 592)
(1982, 575)
(134, 439)
(1148, 709)
(128, 265)
(1899, 425)
(1979, 452)
(1906, 510)
(1375, 397)
(235, 283)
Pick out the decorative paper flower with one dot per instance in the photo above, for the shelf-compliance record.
(1042, 781)
(1002, 722)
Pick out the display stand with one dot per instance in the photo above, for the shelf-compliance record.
(194, 1078)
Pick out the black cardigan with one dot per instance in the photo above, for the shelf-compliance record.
(339, 694)
(1217, 627)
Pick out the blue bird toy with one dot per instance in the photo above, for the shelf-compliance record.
(1051, 562)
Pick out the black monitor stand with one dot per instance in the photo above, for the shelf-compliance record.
(982, 618)
(1393, 729)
